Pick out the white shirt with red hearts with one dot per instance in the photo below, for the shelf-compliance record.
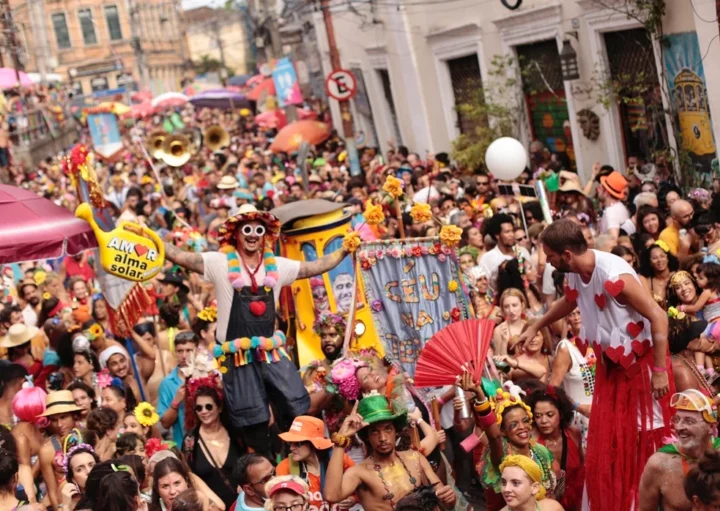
(620, 331)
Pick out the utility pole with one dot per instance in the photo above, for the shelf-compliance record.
(345, 113)
(215, 27)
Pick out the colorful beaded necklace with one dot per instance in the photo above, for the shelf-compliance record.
(389, 495)
(698, 376)
(235, 275)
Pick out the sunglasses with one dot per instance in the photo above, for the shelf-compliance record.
(208, 407)
(249, 230)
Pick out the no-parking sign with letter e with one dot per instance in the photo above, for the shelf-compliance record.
(341, 85)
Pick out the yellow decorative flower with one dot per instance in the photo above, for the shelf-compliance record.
(46, 295)
(223, 369)
(452, 286)
(351, 242)
(393, 186)
(662, 245)
(39, 277)
(373, 213)
(208, 314)
(450, 235)
(146, 415)
(421, 212)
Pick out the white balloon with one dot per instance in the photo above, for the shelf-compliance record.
(506, 158)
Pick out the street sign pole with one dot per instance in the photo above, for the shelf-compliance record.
(345, 113)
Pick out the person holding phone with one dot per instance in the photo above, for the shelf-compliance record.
(171, 407)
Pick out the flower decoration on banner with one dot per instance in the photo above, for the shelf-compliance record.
(39, 277)
(421, 212)
(377, 306)
(393, 186)
(351, 242)
(453, 286)
(455, 314)
(373, 213)
(146, 415)
(208, 314)
(155, 445)
(662, 245)
(104, 379)
(416, 251)
(450, 235)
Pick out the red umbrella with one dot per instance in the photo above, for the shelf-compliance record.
(289, 138)
(266, 86)
(32, 228)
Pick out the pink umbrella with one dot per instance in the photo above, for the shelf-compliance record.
(32, 228)
(140, 110)
(9, 78)
(170, 100)
(271, 119)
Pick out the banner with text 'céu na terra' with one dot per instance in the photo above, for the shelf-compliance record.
(414, 290)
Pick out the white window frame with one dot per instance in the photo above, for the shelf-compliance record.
(448, 44)
(530, 26)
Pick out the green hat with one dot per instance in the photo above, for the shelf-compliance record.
(376, 408)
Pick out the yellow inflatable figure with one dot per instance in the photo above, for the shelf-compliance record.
(130, 251)
(310, 238)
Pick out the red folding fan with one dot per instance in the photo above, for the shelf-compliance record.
(459, 345)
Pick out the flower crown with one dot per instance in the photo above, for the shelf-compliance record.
(104, 380)
(155, 445)
(208, 314)
(343, 375)
(507, 397)
(329, 319)
(66, 458)
(211, 381)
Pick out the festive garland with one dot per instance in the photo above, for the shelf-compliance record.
(235, 276)
(267, 349)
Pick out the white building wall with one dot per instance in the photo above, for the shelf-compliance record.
(414, 43)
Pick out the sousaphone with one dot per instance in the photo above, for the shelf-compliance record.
(176, 150)
(216, 137)
(155, 143)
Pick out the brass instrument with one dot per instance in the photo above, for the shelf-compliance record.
(155, 143)
(216, 137)
(176, 150)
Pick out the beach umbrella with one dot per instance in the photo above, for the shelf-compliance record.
(170, 100)
(220, 98)
(33, 227)
(9, 78)
(272, 119)
(267, 86)
(289, 138)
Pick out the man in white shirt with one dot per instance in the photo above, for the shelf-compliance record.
(611, 194)
(502, 230)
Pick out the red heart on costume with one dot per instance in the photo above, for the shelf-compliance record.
(600, 301)
(140, 250)
(581, 345)
(614, 288)
(633, 371)
(640, 347)
(596, 346)
(627, 360)
(571, 294)
(615, 354)
(258, 308)
(634, 329)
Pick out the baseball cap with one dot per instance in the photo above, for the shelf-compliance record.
(287, 486)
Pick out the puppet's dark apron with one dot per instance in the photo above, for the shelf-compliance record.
(250, 388)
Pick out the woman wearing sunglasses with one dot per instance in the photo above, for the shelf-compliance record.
(210, 449)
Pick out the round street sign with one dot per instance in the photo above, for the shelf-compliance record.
(341, 85)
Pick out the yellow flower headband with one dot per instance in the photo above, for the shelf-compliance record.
(208, 314)
(505, 399)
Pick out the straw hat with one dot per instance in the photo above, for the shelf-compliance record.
(228, 183)
(18, 335)
(571, 186)
(307, 429)
(247, 213)
(60, 401)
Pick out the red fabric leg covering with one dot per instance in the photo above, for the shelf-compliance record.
(617, 447)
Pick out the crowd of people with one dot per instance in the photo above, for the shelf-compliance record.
(605, 302)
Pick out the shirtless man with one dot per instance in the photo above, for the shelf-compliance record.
(385, 476)
(661, 485)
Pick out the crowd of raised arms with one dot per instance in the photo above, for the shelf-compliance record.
(92, 420)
